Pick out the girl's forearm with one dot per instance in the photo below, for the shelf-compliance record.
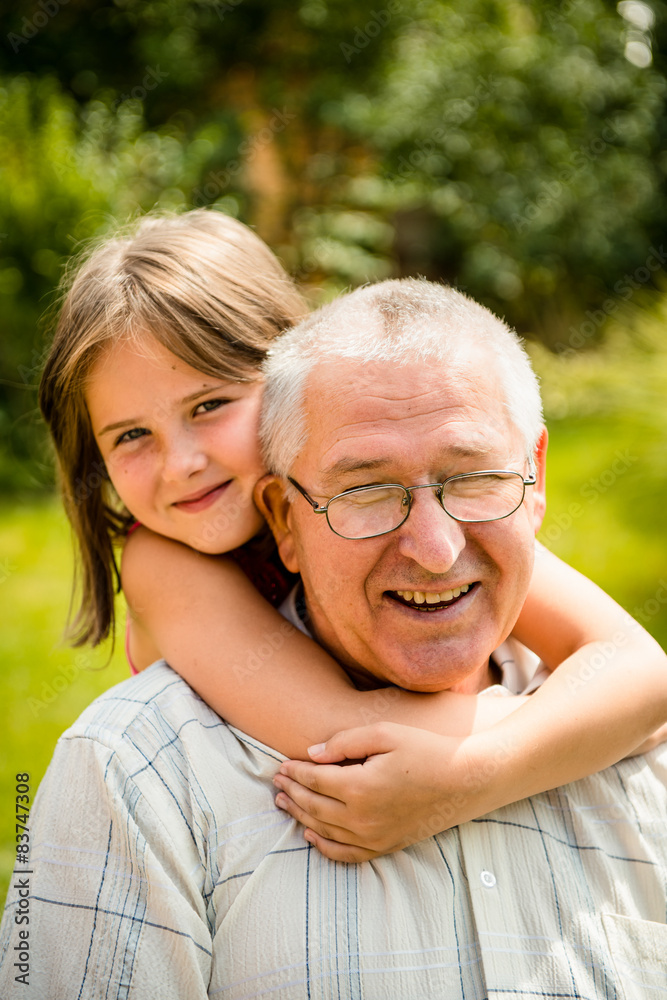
(255, 669)
(595, 709)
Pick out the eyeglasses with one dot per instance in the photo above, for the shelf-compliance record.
(472, 497)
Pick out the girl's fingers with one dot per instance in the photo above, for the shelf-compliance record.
(325, 779)
(356, 744)
(320, 807)
(328, 831)
(339, 852)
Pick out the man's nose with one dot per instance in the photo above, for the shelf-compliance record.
(430, 536)
(182, 457)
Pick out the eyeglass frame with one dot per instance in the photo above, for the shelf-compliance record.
(408, 490)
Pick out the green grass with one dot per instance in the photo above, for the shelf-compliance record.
(607, 414)
(44, 685)
(605, 511)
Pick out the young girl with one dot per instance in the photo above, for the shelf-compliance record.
(153, 387)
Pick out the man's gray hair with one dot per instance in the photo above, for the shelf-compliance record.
(403, 321)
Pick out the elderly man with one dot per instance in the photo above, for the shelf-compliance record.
(169, 865)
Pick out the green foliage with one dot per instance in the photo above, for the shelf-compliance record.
(69, 174)
(533, 143)
(512, 148)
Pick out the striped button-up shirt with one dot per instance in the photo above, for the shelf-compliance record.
(162, 870)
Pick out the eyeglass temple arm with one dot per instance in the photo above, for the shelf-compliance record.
(313, 503)
(532, 472)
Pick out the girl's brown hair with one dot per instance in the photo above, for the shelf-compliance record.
(211, 292)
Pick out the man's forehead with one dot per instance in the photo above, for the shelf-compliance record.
(410, 387)
(358, 412)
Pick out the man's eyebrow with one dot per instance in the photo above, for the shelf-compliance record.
(349, 465)
(135, 421)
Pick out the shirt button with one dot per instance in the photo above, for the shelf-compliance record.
(488, 879)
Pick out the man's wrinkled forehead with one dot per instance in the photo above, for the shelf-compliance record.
(357, 409)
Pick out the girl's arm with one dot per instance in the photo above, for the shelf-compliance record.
(202, 615)
(606, 695)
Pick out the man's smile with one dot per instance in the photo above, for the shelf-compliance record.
(425, 600)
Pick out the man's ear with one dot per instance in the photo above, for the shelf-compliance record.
(539, 489)
(270, 500)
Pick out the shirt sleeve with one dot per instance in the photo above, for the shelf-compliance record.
(116, 906)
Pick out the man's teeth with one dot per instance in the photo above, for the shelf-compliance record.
(421, 596)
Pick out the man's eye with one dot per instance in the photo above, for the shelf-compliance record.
(131, 435)
(210, 404)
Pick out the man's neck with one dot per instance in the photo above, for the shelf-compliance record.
(487, 675)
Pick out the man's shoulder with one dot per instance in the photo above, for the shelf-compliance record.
(158, 712)
(156, 692)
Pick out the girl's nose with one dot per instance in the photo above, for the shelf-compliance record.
(182, 458)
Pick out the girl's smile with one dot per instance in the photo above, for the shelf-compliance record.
(180, 447)
(202, 499)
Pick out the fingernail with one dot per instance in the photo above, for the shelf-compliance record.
(317, 749)
(309, 837)
(281, 801)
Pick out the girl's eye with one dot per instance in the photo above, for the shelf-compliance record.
(210, 404)
(131, 435)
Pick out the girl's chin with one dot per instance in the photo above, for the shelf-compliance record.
(213, 543)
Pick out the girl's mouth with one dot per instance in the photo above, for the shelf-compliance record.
(203, 500)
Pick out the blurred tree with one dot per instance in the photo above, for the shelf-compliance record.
(509, 146)
(523, 155)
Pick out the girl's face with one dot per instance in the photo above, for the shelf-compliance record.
(181, 448)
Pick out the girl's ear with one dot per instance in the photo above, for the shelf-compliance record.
(270, 500)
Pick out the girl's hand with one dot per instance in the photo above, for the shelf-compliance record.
(412, 785)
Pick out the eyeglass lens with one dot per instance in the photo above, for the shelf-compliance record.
(367, 512)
